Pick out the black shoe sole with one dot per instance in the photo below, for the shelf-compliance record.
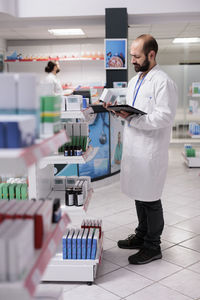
(130, 247)
(159, 256)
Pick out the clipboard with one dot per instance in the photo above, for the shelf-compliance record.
(126, 108)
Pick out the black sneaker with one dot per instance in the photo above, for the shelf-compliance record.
(145, 256)
(132, 242)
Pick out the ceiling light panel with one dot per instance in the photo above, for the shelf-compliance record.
(76, 31)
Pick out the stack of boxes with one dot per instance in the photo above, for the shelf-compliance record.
(23, 228)
(14, 189)
(82, 243)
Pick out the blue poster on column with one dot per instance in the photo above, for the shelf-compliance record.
(99, 138)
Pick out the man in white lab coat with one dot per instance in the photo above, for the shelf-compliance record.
(145, 151)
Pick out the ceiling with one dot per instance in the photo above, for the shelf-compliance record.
(12, 28)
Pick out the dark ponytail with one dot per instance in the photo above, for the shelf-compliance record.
(50, 66)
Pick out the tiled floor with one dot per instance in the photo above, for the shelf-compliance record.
(177, 275)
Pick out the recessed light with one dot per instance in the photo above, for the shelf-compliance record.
(76, 31)
(187, 40)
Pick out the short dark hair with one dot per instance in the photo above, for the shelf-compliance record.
(50, 66)
(150, 43)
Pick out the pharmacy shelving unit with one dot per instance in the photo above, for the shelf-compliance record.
(72, 270)
(25, 288)
(18, 162)
(191, 162)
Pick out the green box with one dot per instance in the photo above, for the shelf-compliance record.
(12, 191)
(24, 191)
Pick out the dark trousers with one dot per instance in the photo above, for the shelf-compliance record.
(150, 223)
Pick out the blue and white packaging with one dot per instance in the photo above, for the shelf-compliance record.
(64, 245)
(8, 95)
(74, 244)
(69, 244)
(89, 243)
(19, 130)
(84, 243)
(95, 242)
(79, 243)
(2, 136)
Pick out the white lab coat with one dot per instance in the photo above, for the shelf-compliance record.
(146, 138)
(55, 84)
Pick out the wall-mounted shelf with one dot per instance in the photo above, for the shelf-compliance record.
(55, 59)
(25, 288)
(16, 161)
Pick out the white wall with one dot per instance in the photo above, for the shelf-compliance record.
(48, 8)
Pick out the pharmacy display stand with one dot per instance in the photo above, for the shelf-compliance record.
(19, 163)
(60, 269)
(191, 162)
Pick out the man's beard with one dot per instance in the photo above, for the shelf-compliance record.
(144, 67)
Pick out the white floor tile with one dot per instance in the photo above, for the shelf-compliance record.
(185, 282)
(176, 235)
(89, 293)
(155, 270)
(181, 256)
(123, 282)
(120, 233)
(193, 243)
(165, 244)
(118, 256)
(191, 225)
(157, 291)
(108, 244)
(106, 267)
(195, 267)
(172, 218)
(122, 218)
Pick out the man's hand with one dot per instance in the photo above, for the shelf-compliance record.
(123, 114)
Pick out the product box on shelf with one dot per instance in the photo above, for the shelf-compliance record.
(74, 244)
(69, 243)
(19, 131)
(3, 249)
(19, 255)
(27, 101)
(50, 108)
(8, 98)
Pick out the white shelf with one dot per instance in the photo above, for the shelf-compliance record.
(193, 136)
(191, 162)
(60, 269)
(16, 161)
(71, 209)
(25, 288)
(72, 114)
(61, 159)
